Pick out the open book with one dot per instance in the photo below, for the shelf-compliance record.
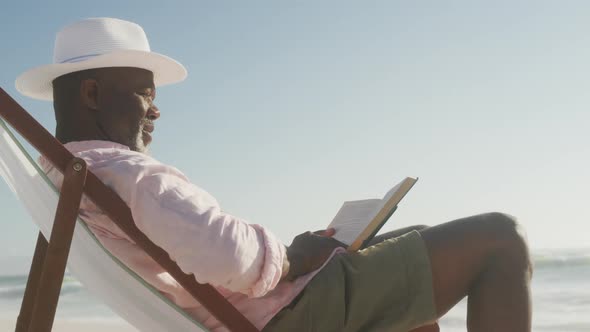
(357, 222)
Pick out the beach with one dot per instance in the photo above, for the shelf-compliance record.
(65, 325)
(560, 291)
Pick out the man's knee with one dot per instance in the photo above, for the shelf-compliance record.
(504, 228)
(509, 238)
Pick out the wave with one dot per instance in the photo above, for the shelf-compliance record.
(564, 326)
(562, 259)
(13, 286)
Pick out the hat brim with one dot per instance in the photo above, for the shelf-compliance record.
(37, 82)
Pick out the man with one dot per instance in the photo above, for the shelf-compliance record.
(103, 85)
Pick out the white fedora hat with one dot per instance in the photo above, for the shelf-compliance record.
(98, 43)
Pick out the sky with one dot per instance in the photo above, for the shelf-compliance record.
(292, 107)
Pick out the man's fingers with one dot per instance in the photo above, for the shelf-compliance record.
(326, 232)
(329, 233)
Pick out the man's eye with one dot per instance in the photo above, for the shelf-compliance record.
(147, 94)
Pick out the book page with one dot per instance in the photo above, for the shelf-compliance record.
(352, 219)
(386, 198)
(358, 221)
(391, 192)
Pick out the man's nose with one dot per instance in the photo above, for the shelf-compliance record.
(153, 113)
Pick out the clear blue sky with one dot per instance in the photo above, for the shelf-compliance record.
(292, 107)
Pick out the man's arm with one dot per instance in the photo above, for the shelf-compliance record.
(216, 247)
(187, 222)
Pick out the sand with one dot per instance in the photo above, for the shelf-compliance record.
(62, 325)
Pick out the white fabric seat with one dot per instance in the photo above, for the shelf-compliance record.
(101, 273)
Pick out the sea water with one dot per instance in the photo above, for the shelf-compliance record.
(560, 293)
(560, 289)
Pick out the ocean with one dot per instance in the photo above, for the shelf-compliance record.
(560, 293)
(560, 288)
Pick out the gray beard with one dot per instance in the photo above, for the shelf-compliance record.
(137, 139)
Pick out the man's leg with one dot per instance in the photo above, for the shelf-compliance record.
(398, 232)
(393, 234)
(486, 258)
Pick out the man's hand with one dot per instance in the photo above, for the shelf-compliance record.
(308, 252)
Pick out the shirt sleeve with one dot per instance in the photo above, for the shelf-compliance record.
(187, 222)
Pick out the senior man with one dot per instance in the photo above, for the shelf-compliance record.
(103, 86)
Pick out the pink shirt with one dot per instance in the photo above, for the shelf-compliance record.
(243, 261)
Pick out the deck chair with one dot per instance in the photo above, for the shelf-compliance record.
(71, 242)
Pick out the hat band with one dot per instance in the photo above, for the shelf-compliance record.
(80, 58)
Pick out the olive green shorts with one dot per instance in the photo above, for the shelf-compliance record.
(386, 287)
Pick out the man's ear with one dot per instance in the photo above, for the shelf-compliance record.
(89, 93)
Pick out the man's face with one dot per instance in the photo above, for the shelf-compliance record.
(126, 110)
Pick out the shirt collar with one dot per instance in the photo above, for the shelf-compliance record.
(80, 146)
(75, 147)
